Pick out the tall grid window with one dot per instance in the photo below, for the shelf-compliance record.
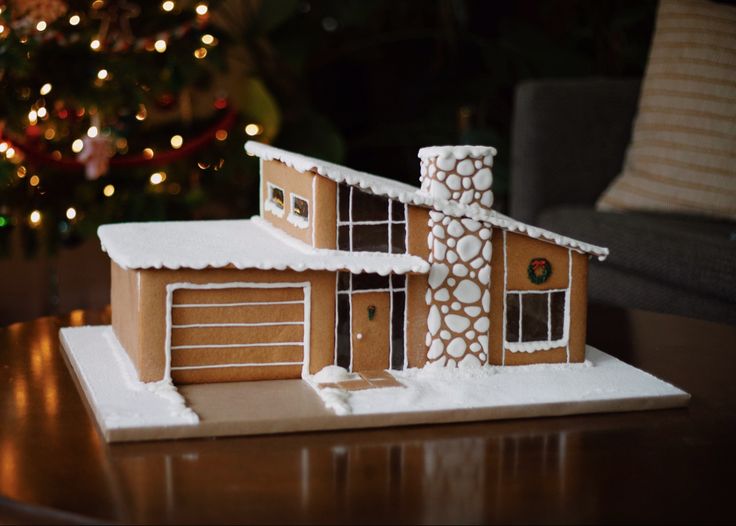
(371, 223)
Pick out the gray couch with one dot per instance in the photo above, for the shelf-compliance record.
(568, 143)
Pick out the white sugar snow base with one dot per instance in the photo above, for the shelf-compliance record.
(600, 378)
(119, 399)
(121, 403)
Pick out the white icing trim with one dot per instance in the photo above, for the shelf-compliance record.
(406, 231)
(398, 289)
(350, 230)
(567, 304)
(540, 291)
(456, 152)
(313, 212)
(347, 223)
(261, 195)
(350, 296)
(233, 345)
(172, 287)
(415, 196)
(337, 291)
(258, 324)
(390, 248)
(228, 365)
(505, 291)
(295, 219)
(406, 312)
(238, 304)
(530, 347)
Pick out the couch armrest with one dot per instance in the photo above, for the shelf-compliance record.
(568, 141)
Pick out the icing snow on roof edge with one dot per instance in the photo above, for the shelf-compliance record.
(241, 244)
(414, 196)
(457, 152)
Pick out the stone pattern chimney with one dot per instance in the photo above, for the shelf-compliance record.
(459, 295)
(458, 173)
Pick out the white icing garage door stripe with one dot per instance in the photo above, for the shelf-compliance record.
(257, 325)
(241, 304)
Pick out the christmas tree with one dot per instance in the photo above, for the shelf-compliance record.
(112, 111)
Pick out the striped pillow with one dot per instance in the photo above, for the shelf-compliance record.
(682, 155)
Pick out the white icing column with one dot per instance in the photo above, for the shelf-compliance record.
(459, 295)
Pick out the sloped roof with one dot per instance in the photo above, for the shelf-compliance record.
(243, 244)
(412, 195)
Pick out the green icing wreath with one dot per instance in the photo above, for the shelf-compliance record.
(539, 270)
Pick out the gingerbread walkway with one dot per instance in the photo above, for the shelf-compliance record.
(367, 380)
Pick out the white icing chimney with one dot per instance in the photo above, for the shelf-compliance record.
(458, 173)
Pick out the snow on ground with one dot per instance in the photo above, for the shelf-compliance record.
(601, 377)
(121, 400)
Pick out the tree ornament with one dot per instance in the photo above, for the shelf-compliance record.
(539, 270)
(96, 156)
(114, 16)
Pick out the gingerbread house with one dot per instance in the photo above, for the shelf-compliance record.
(351, 269)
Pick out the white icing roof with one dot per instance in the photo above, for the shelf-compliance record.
(412, 195)
(243, 244)
(457, 152)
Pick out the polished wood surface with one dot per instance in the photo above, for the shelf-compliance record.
(660, 466)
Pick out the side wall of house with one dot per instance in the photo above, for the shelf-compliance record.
(125, 304)
(417, 309)
(512, 255)
(319, 192)
(153, 311)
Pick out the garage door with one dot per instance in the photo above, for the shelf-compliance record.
(237, 331)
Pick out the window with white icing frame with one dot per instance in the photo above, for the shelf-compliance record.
(298, 211)
(274, 202)
(536, 320)
(370, 223)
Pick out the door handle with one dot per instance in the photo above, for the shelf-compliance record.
(359, 336)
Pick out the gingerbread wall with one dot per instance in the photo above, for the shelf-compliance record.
(124, 298)
(148, 349)
(417, 285)
(517, 251)
(319, 192)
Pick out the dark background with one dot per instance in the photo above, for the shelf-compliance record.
(392, 76)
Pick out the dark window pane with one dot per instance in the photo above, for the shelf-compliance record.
(343, 199)
(367, 207)
(277, 196)
(557, 311)
(512, 317)
(534, 317)
(398, 238)
(398, 281)
(343, 237)
(397, 211)
(343, 281)
(369, 282)
(299, 207)
(397, 330)
(372, 238)
(343, 330)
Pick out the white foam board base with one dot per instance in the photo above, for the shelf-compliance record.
(126, 409)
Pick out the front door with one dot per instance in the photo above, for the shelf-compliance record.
(371, 319)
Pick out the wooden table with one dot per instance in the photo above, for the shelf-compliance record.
(661, 466)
